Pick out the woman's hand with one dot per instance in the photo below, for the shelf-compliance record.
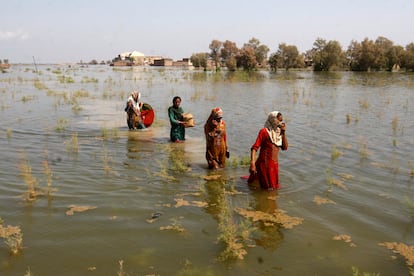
(282, 128)
(252, 168)
(216, 122)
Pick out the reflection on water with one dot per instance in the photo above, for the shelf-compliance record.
(270, 233)
(348, 173)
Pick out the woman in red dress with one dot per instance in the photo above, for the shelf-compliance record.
(270, 140)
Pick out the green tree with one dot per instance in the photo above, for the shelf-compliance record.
(327, 55)
(363, 56)
(261, 51)
(353, 55)
(215, 47)
(247, 58)
(388, 54)
(368, 55)
(374, 56)
(288, 56)
(199, 60)
(394, 57)
(273, 61)
(229, 53)
(408, 60)
(382, 47)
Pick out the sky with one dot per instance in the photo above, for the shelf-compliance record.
(69, 31)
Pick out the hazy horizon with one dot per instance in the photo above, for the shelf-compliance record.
(73, 31)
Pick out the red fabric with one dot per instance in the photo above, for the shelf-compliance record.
(147, 117)
(147, 114)
(267, 165)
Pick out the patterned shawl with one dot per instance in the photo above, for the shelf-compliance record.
(272, 126)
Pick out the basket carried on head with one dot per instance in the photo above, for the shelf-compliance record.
(188, 120)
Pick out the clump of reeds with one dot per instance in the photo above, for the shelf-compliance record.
(363, 103)
(8, 133)
(229, 235)
(174, 226)
(80, 94)
(242, 162)
(73, 144)
(65, 79)
(106, 161)
(28, 272)
(234, 162)
(335, 153)
(394, 124)
(329, 178)
(76, 108)
(61, 124)
(356, 272)
(295, 96)
(87, 79)
(39, 85)
(109, 133)
(410, 204)
(12, 236)
(176, 160)
(348, 118)
(403, 249)
(48, 174)
(121, 268)
(363, 149)
(27, 98)
(29, 179)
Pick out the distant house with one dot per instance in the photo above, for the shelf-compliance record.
(5, 64)
(185, 62)
(119, 62)
(129, 59)
(137, 58)
(163, 62)
(149, 60)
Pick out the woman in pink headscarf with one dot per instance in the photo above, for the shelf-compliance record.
(271, 138)
(216, 139)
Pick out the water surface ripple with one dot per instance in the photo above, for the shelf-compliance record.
(351, 142)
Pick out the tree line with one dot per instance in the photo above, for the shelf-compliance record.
(367, 55)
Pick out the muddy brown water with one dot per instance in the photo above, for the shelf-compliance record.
(155, 206)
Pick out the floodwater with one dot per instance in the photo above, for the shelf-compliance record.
(93, 198)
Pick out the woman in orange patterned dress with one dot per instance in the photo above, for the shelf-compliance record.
(216, 139)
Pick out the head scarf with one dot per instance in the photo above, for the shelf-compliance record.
(217, 113)
(136, 94)
(272, 126)
(211, 122)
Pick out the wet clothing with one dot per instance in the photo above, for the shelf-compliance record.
(133, 110)
(135, 104)
(177, 132)
(216, 140)
(267, 164)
